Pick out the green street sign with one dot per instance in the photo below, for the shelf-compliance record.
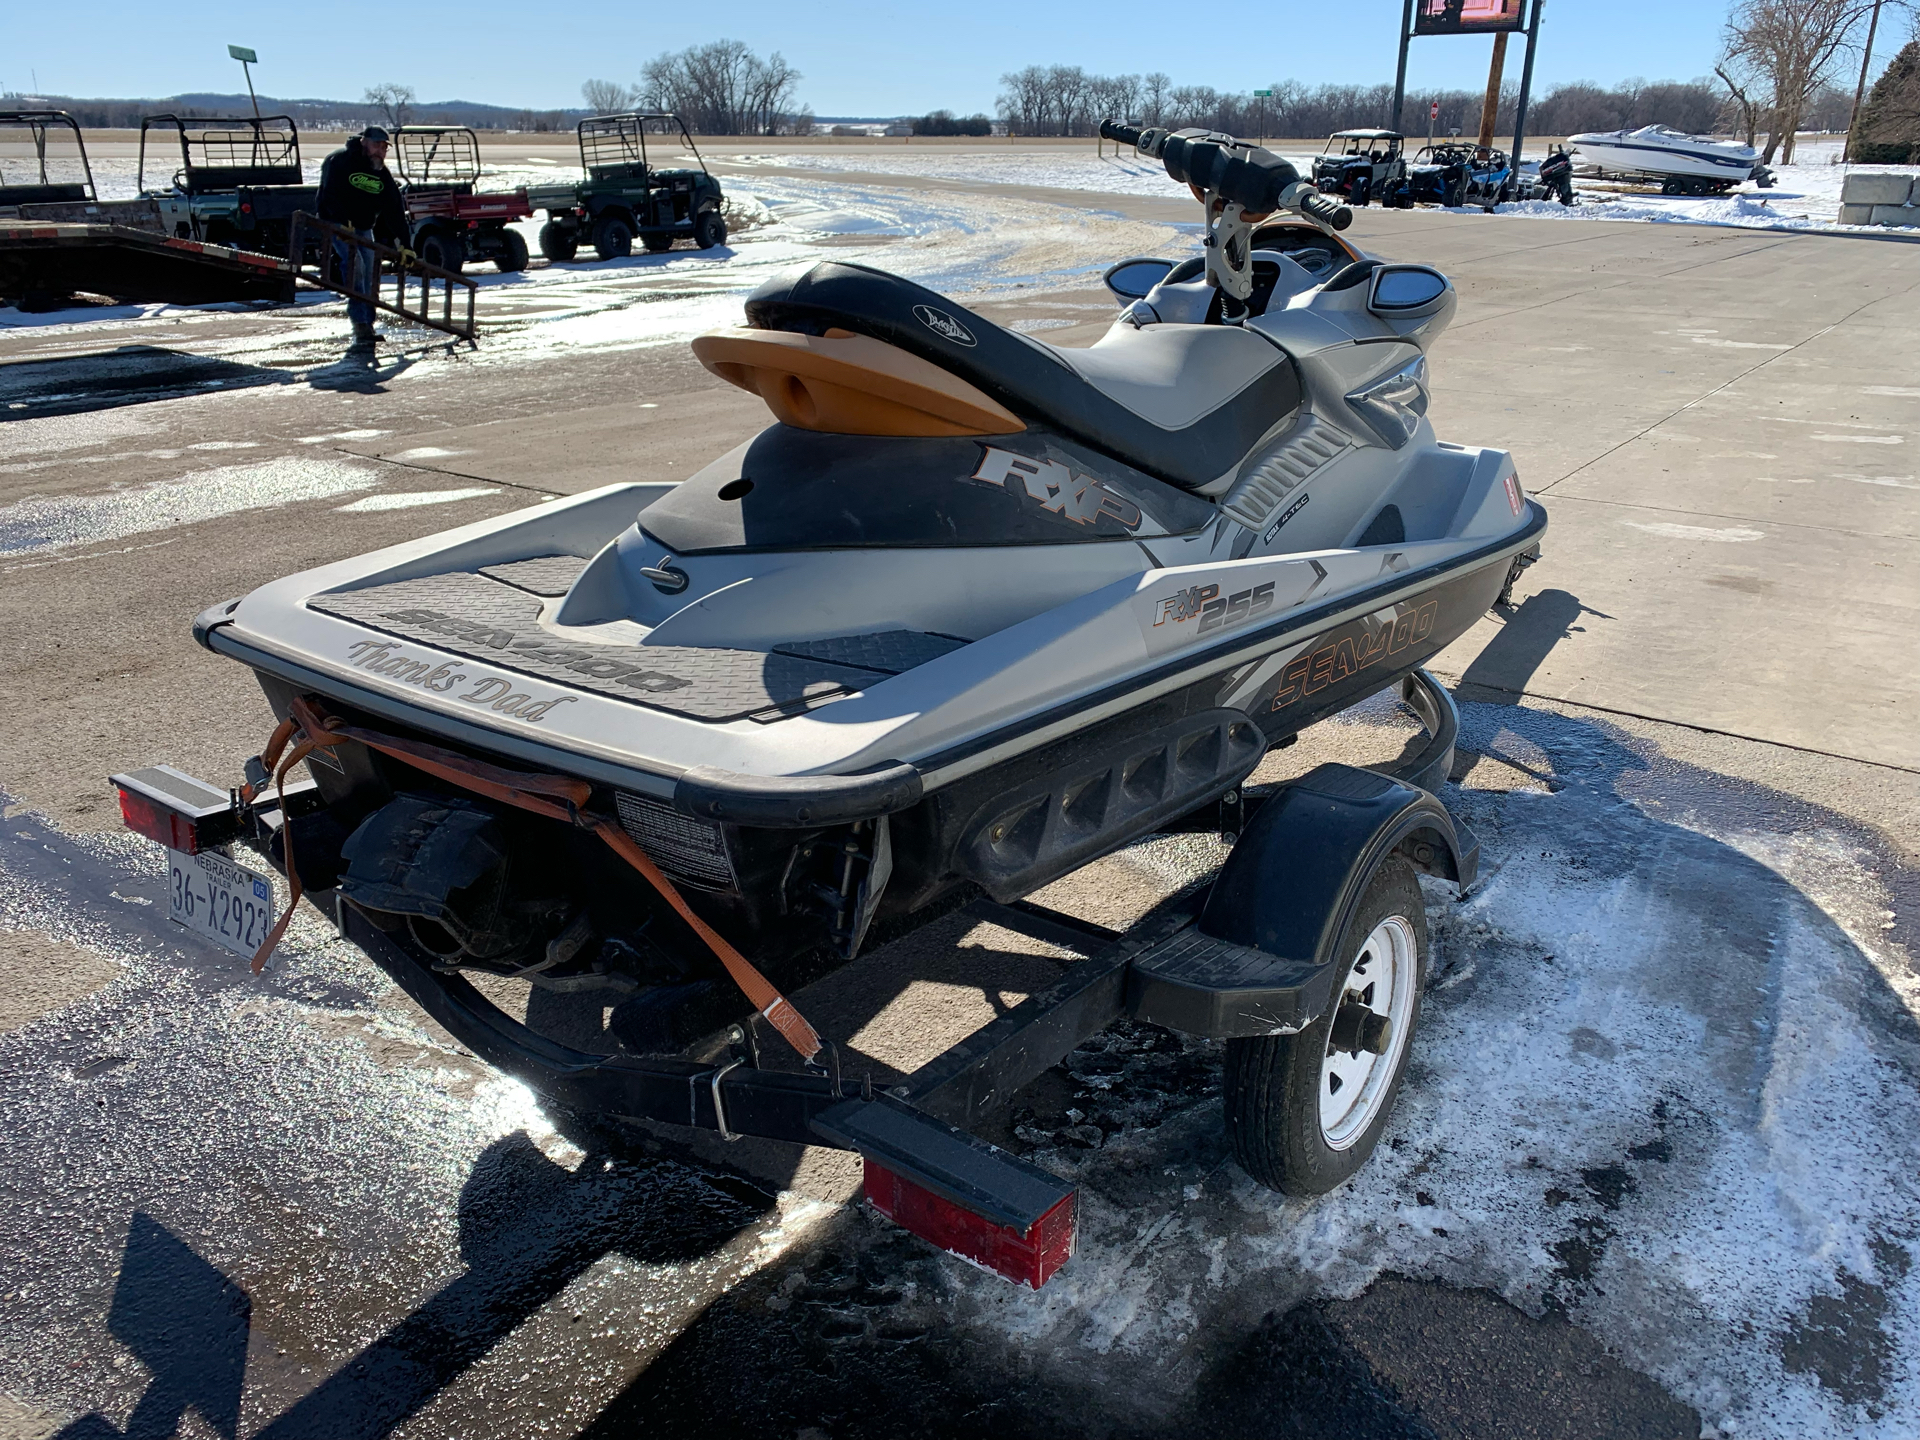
(240, 52)
(1264, 94)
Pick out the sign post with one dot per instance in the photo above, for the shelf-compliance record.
(1263, 96)
(247, 61)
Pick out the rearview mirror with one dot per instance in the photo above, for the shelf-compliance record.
(1132, 279)
(1405, 289)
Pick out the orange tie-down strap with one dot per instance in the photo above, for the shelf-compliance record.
(311, 728)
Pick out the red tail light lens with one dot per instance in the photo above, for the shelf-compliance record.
(1028, 1258)
(144, 817)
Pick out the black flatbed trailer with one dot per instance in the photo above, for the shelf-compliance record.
(624, 196)
(43, 264)
(1306, 855)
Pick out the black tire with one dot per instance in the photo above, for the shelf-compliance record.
(513, 255)
(445, 249)
(1457, 193)
(1360, 190)
(613, 237)
(1671, 186)
(1273, 1084)
(657, 241)
(709, 229)
(559, 243)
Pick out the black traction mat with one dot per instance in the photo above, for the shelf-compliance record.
(893, 651)
(468, 614)
(548, 575)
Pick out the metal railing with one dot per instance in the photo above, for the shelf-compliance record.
(401, 272)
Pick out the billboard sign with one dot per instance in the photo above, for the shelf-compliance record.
(1466, 17)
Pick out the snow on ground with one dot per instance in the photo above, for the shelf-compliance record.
(1664, 1084)
(1051, 169)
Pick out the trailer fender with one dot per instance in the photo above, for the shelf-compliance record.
(1294, 877)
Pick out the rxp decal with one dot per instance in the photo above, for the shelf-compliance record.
(1183, 604)
(944, 325)
(1056, 488)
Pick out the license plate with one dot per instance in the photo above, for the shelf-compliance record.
(219, 900)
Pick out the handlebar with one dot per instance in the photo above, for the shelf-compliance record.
(1257, 180)
(1321, 208)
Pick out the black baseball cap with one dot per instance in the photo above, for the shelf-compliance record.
(377, 134)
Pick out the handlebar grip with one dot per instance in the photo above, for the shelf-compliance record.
(1114, 130)
(1321, 208)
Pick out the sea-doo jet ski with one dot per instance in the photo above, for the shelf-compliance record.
(1684, 164)
(971, 612)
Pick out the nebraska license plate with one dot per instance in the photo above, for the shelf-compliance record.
(215, 898)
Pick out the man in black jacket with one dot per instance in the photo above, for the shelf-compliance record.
(359, 193)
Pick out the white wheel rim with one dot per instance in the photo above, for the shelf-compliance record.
(1354, 1088)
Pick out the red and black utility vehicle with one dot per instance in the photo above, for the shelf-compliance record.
(453, 221)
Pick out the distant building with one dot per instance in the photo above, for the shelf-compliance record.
(899, 127)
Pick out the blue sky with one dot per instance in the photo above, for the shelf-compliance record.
(875, 59)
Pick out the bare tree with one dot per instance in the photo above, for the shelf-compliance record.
(722, 88)
(1792, 47)
(606, 97)
(395, 102)
(1153, 98)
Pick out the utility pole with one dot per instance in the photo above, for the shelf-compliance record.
(1859, 90)
(247, 61)
(1400, 75)
(1526, 88)
(1490, 108)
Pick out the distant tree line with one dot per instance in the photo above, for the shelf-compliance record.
(720, 88)
(93, 114)
(945, 122)
(1066, 100)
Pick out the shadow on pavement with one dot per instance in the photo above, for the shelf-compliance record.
(129, 375)
(1532, 629)
(528, 1229)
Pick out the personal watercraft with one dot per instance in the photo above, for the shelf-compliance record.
(972, 612)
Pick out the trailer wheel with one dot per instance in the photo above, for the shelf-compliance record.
(613, 237)
(447, 251)
(558, 243)
(513, 253)
(1305, 1111)
(709, 230)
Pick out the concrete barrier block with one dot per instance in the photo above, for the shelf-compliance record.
(1896, 215)
(1856, 214)
(1875, 188)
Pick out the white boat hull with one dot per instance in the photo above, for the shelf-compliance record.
(1626, 155)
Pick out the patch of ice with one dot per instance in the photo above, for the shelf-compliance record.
(1732, 535)
(413, 499)
(52, 522)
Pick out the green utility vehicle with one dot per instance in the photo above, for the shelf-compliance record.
(624, 195)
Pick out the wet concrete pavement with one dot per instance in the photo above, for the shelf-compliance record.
(1613, 1205)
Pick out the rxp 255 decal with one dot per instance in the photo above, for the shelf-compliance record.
(1056, 488)
(1213, 610)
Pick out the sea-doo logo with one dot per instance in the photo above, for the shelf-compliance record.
(1056, 488)
(943, 325)
(1349, 654)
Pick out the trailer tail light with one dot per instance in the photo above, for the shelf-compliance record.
(172, 807)
(1027, 1257)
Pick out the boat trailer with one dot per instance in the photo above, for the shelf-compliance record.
(922, 1168)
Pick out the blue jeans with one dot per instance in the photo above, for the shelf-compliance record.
(357, 269)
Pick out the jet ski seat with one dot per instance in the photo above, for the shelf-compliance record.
(1184, 403)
